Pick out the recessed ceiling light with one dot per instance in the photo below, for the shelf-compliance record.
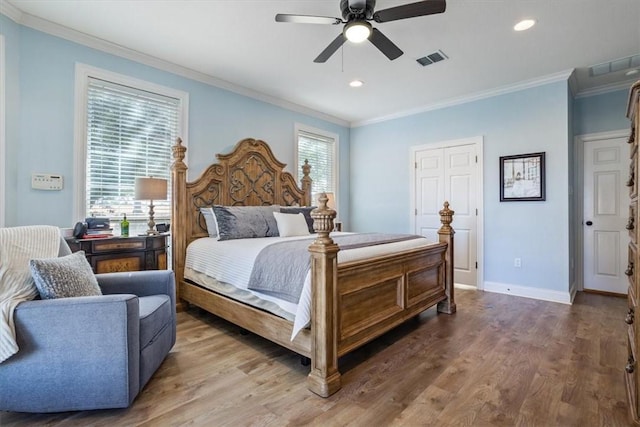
(525, 24)
(632, 72)
(356, 83)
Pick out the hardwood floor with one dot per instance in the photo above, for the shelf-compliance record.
(499, 361)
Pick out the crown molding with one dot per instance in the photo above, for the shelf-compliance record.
(527, 84)
(600, 90)
(10, 11)
(60, 31)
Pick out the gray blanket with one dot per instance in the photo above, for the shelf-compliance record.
(280, 268)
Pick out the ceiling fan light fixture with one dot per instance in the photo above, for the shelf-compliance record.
(357, 31)
(356, 83)
(525, 24)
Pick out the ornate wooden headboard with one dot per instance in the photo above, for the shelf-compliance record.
(248, 176)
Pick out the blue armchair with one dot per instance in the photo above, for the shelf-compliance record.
(91, 352)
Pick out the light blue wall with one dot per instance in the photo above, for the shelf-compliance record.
(11, 33)
(42, 133)
(601, 113)
(521, 122)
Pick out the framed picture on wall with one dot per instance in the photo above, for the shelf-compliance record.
(522, 178)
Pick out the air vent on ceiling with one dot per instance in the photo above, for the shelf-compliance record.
(615, 65)
(432, 58)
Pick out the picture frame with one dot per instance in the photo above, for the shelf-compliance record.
(522, 178)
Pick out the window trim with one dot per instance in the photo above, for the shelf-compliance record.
(299, 127)
(82, 74)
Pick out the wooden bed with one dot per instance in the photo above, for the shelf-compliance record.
(352, 303)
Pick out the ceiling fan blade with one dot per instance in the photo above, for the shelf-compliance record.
(385, 45)
(331, 49)
(411, 10)
(307, 19)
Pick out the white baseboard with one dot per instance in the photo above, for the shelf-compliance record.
(529, 292)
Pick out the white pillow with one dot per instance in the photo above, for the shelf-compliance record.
(210, 221)
(291, 224)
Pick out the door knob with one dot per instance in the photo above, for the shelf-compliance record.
(589, 223)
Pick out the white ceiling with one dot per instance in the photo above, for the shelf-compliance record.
(239, 42)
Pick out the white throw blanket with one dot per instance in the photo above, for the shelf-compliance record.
(17, 246)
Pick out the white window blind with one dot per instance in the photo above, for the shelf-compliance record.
(320, 150)
(129, 134)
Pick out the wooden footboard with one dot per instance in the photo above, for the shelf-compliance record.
(359, 301)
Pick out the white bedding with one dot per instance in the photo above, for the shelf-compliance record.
(231, 261)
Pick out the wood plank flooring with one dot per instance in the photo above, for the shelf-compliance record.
(499, 361)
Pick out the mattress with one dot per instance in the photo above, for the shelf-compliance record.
(225, 267)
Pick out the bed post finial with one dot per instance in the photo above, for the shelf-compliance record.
(323, 217)
(178, 151)
(306, 182)
(324, 378)
(445, 234)
(446, 217)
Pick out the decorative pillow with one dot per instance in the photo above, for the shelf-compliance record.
(244, 222)
(291, 224)
(210, 221)
(306, 211)
(67, 276)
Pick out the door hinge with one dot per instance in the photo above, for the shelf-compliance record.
(476, 211)
(476, 265)
(476, 159)
(415, 165)
(415, 212)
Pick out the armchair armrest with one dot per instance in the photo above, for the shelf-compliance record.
(71, 351)
(142, 284)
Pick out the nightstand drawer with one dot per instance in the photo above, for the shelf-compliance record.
(110, 245)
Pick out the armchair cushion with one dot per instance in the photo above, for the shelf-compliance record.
(67, 276)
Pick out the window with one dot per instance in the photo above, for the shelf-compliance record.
(128, 128)
(320, 149)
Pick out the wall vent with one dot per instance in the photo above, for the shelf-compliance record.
(432, 58)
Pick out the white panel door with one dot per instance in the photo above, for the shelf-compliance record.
(449, 174)
(605, 215)
(429, 192)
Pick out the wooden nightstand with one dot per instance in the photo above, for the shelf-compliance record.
(114, 254)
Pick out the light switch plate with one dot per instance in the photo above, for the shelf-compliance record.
(45, 181)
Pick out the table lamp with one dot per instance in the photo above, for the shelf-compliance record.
(151, 189)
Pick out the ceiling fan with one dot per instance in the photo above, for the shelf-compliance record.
(356, 14)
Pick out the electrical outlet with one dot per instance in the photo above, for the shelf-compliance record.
(517, 262)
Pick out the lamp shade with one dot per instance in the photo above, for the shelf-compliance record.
(331, 203)
(151, 189)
